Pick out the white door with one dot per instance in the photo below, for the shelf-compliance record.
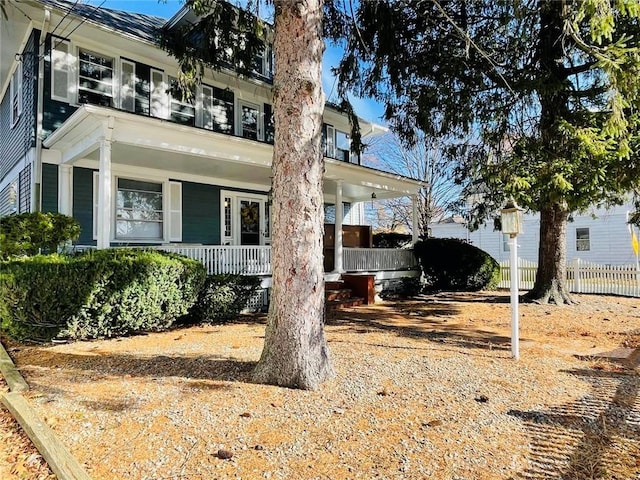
(245, 219)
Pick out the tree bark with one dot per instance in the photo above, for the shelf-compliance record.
(550, 284)
(295, 351)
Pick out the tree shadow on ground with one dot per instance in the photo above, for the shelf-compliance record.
(468, 297)
(200, 371)
(594, 437)
(433, 322)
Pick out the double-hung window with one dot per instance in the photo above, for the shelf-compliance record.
(139, 210)
(60, 69)
(16, 94)
(181, 108)
(95, 79)
(583, 243)
(217, 109)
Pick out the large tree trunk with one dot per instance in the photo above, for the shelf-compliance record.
(550, 284)
(295, 351)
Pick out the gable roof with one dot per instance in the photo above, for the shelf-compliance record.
(140, 26)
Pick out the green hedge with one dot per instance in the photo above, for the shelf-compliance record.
(223, 297)
(33, 233)
(454, 265)
(100, 293)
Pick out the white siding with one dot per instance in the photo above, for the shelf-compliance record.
(610, 240)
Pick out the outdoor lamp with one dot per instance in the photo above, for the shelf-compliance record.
(511, 218)
(512, 223)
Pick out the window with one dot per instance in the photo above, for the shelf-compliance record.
(60, 67)
(181, 109)
(217, 109)
(249, 121)
(583, 243)
(127, 85)
(263, 63)
(16, 94)
(158, 95)
(328, 140)
(505, 242)
(343, 146)
(139, 214)
(95, 84)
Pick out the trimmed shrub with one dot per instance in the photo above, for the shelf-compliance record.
(37, 232)
(452, 264)
(391, 240)
(101, 293)
(223, 297)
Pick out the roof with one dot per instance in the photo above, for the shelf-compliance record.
(144, 27)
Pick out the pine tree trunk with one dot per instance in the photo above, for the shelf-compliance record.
(551, 283)
(295, 351)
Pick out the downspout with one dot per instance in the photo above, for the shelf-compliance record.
(37, 194)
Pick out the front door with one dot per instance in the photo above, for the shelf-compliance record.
(250, 224)
(245, 219)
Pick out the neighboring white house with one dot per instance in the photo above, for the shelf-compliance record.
(600, 236)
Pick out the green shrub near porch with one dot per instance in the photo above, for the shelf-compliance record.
(454, 265)
(223, 297)
(101, 293)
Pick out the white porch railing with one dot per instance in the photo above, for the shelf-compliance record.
(256, 260)
(582, 277)
(246, 260)
(377, 259)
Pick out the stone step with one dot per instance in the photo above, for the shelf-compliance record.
(338, 294)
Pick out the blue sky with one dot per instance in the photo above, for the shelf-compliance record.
(365, 108)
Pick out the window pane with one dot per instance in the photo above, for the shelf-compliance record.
(139, 212)
(249, 122)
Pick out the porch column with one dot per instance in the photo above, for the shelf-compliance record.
(104, 195)
(337, 259)
(415, 227)
(65, 188)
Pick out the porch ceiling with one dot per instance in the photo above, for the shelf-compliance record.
(145, 142)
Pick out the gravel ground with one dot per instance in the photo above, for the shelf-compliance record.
(424, 389)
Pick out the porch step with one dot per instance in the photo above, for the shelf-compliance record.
(338, 294)
(344, 303)
(336, 285)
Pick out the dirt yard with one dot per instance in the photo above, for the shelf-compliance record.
(424, 389)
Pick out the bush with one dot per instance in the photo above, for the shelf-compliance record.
(102, 293)
(391, 240)
(452, 264)
(223, 297)
(33, 233)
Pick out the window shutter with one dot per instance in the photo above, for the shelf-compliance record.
(128, 85)
(96, 183)
(60, 66)
(175, 211)
(159, 97)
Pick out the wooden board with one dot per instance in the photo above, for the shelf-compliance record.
(14, 378)
(61, 462)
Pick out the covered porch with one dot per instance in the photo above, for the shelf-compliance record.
(188, 190)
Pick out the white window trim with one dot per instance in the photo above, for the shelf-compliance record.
(115, 74)
(586, 241)
(55, 42)
(238, 114)
(16, 91)
(168, 214)
(235, 197)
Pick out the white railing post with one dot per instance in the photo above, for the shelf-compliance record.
(577, 285)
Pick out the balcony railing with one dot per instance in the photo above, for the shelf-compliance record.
(377, 259)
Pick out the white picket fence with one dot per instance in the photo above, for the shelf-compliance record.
(582, 277)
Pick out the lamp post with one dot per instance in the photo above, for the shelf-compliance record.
(512, 222)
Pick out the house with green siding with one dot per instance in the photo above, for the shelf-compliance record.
(89, 128)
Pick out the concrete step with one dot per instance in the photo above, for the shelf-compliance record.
(338, 294)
